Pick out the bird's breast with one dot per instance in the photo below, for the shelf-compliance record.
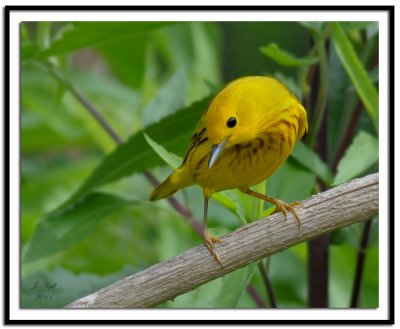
(240, 165)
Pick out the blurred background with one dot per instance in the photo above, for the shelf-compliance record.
(143, 76)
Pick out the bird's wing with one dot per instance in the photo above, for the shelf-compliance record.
(198, 137)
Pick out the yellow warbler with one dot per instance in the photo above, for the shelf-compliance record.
(245, 134)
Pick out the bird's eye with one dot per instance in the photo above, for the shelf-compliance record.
(231, 122)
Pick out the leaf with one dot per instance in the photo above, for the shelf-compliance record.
(356, 71)
(61, 230)
(251, 208)
(361, 155)
(312, 162)
(169, 98)
(356, 25)
(134, 155)
(224, 292)
(291, 182)
(285, 58)
(226, 198)
(342, 104)
(171, 159)
(315, 28)
(29, 49)
(85, 34)
(127, 58)
(199, 59)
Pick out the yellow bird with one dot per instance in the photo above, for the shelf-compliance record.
(247, 131)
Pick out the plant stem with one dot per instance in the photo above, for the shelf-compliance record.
(268, 284)
(355, 296)
(255, 295)
(320, 106)
(86, 104)
(318, 250)
(346, 141)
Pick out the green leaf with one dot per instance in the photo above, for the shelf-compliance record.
(127, 58)
(29, 49)
(170, 97)
(285, 58)
(43, 34)
(134, 155)
(24, 32)
(356, 71)
(61, 230)
(313, 27)
(171, 159)
(312, 162)
(342, 104)
(361, 155)
(224, 292)
(193, 48)
(291, 182)
(356, 25)
(85, 34)
(250, 208)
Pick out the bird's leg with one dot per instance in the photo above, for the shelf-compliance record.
(209, 240)
(281, 206)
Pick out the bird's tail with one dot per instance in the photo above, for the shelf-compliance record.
(174, 182)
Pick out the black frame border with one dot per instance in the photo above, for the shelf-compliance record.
(7, 12)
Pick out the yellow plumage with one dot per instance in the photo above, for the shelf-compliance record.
(245, 134)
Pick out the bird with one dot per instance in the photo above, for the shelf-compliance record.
(245, 134)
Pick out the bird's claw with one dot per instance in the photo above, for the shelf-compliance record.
(209, 241)
(284, 207)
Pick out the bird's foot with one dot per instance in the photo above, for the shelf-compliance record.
(284, 207)
(209, 241)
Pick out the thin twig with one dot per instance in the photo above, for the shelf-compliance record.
(255, 295)
(86, 104)
(320, 106)
(355, 296)
(268, 285)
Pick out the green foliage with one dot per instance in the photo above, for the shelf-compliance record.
(85, 34)
(224, 292)
(285, 58)
(134, 155)
(356, 71)
(151, 81)
(57, 288)
(62, 229)
(352, 164)
(310, 160)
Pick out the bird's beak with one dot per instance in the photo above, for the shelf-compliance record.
(216, 150)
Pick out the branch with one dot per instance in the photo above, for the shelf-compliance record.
(351, 202)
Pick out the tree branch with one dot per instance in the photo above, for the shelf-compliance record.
(351, 202)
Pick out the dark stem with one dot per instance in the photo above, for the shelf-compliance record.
(355, 296)
(348, 136)
(320, 106)
(89, 106)
(268, 284)
(318, 249)
(255, 295)
(318, 274)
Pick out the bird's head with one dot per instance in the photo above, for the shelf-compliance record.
(238, 113)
